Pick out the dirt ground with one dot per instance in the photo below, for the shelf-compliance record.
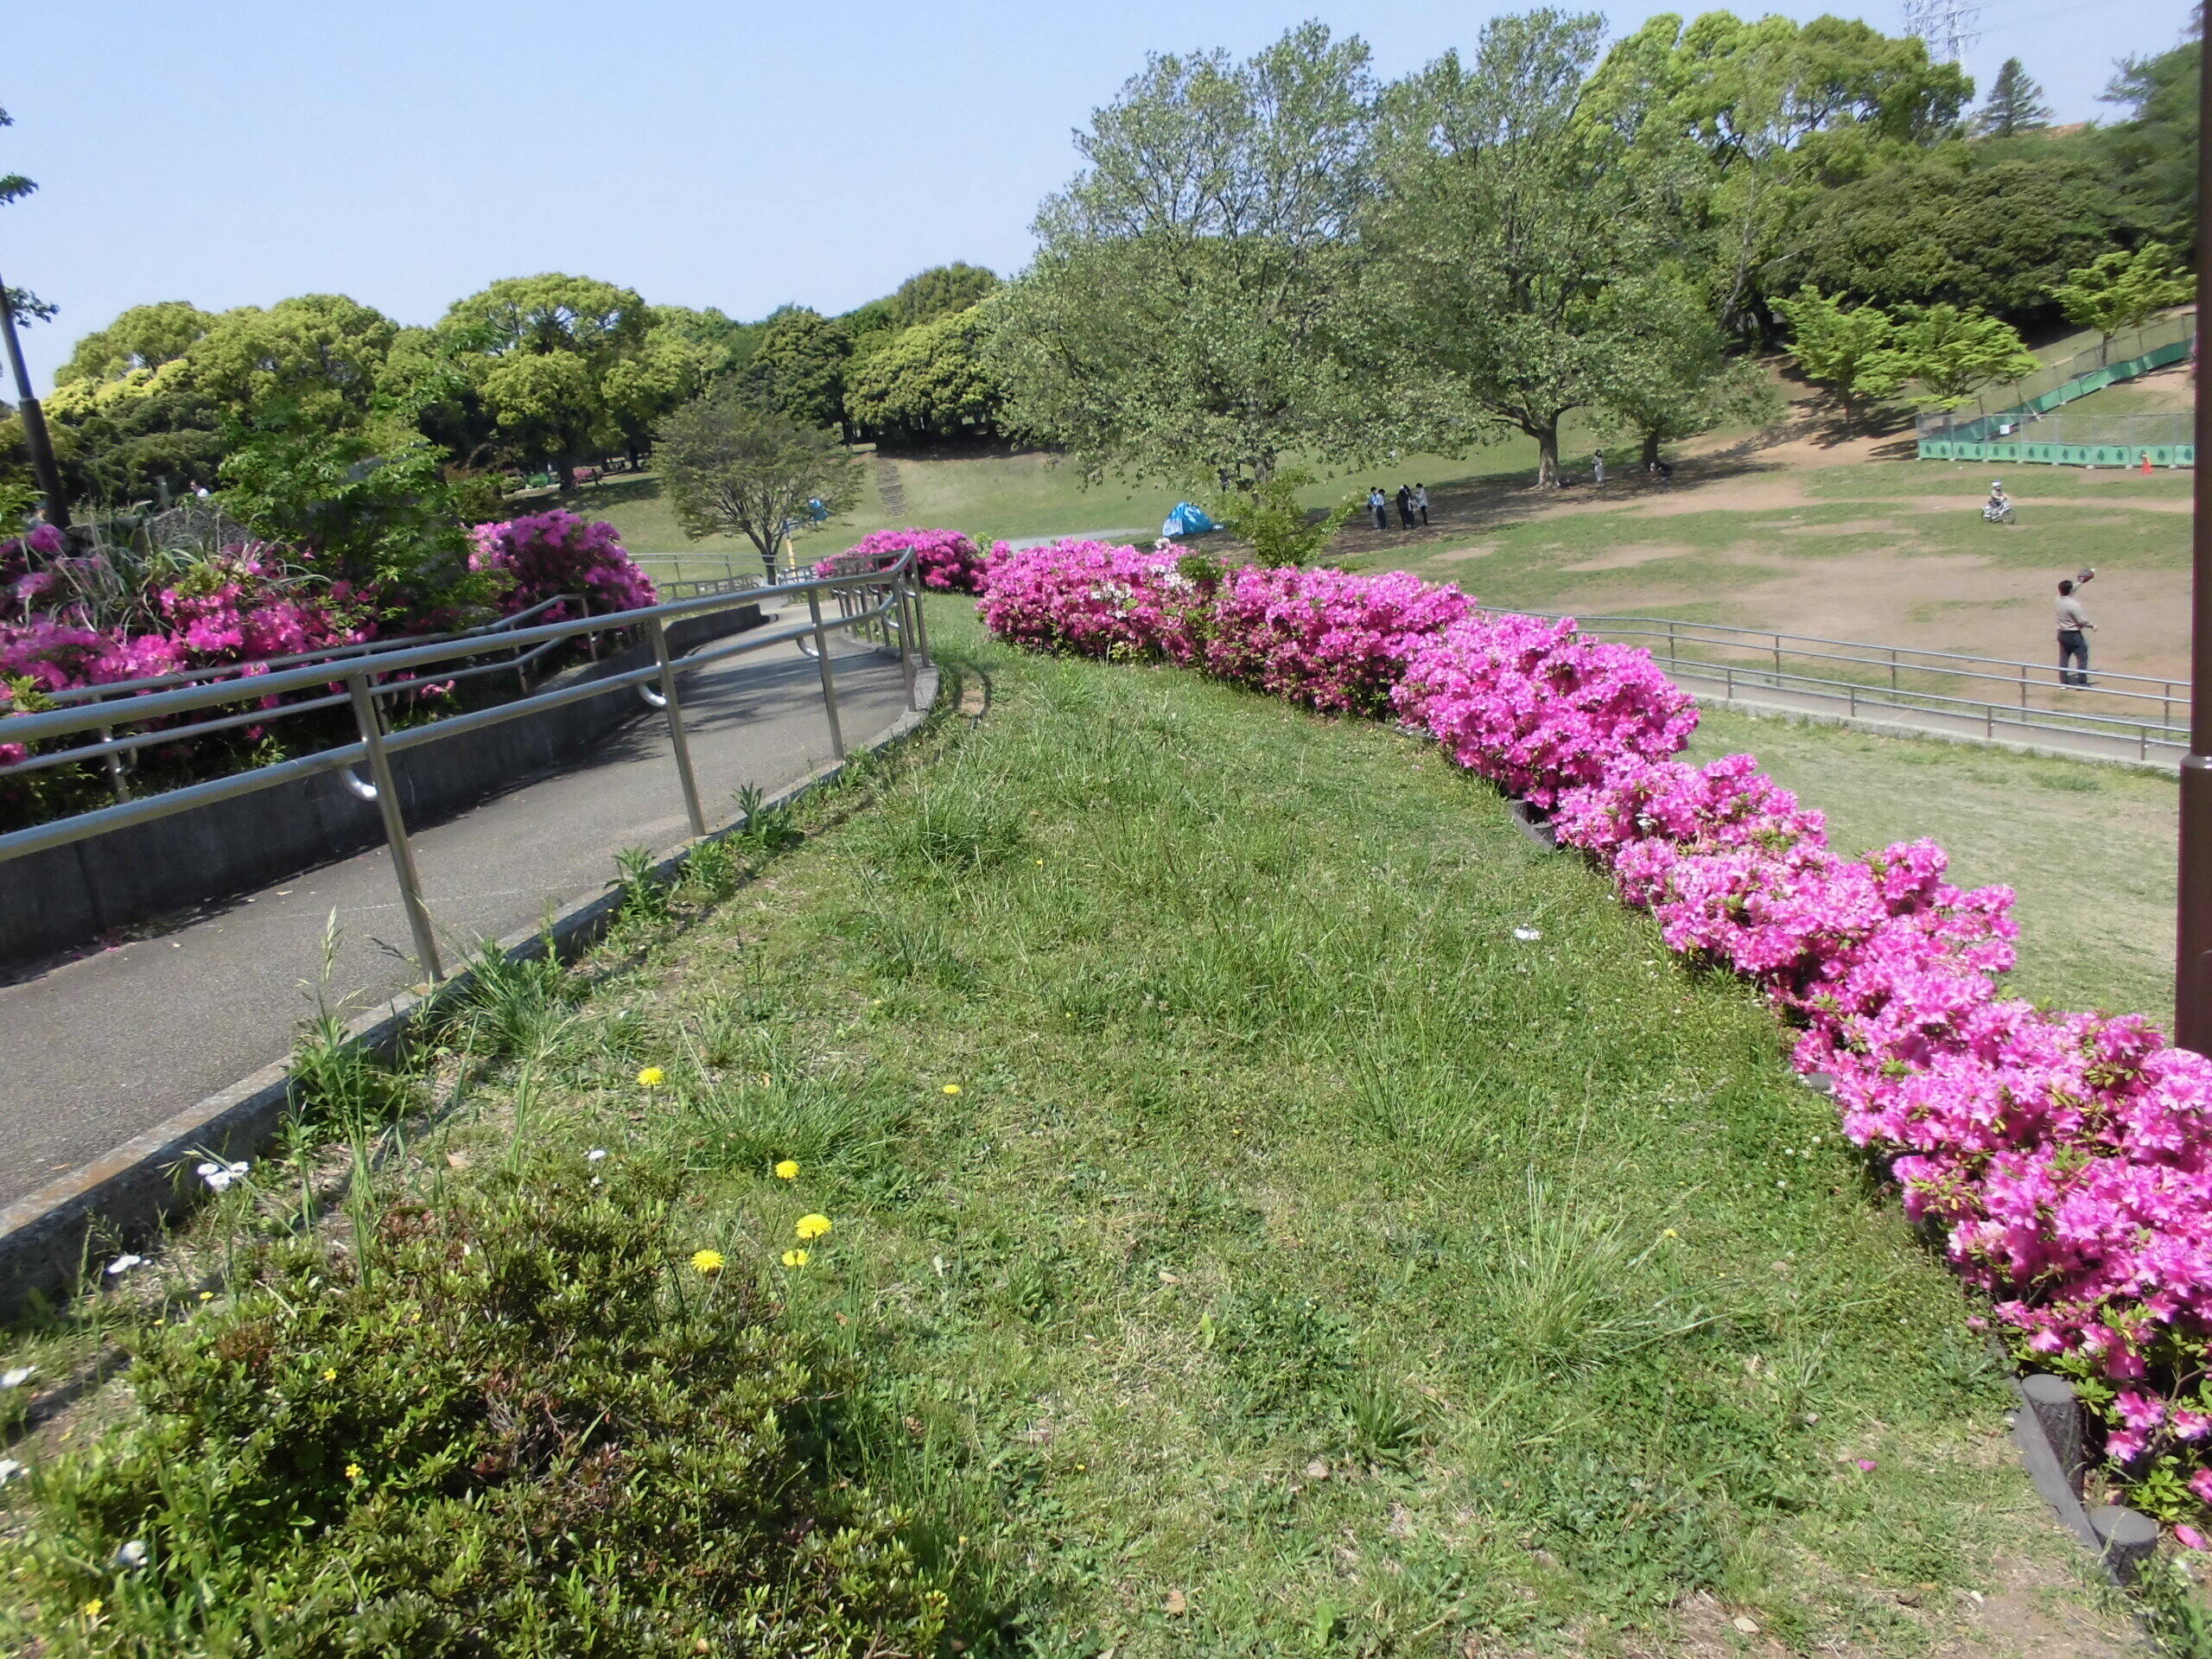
(1846, 538)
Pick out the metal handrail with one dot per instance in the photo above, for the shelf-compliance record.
(887, 604)
(111, 690)
(2165, 730)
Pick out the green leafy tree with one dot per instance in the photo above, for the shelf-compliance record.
(2014, 104)
(1508, 224)
(732, 466)
(538, 350)
(1674, 375)
(384, 520)
(1190, 310)
(1949, 354)
(1852, 352)
(1741, 123)
(2121, 291)
(14, 186)
(933, 381)
(144, 337)
(1935, 228)
(310, 361)
(799, 368)
(2148, 160)
(941, 292)
(1270, 517)
(671, 368)
(132, 438)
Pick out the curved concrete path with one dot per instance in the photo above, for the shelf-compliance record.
(105, 1047)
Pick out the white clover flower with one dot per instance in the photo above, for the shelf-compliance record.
(220, 1176)
(122, 1264)
(16, 1378)
(1526, 934)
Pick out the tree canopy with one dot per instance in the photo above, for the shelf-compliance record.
(733, 466)
(1187, 311)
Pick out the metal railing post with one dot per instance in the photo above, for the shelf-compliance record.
(828, 679)
(676, 738)
(394, 826)
(921, 629)
(906, 641)
(115, 781)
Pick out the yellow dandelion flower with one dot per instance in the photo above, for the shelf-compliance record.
(787, 1170)
(795, 1258)
(352, 1472)
(651, 1078)
(1671, 1233)
(329, 1374)
(812, 1226)
(952, 1087)
(93, 1607)
(207, 1295)
(707, 1261)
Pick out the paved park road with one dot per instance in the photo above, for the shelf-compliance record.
(102, 1048)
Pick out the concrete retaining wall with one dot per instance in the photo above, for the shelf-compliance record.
(65, 899)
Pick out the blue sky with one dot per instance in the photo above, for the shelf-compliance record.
(407, 152)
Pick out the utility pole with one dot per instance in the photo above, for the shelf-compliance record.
(2193, 953)
(34, 435)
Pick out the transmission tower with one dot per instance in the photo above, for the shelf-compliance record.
(1947, 26)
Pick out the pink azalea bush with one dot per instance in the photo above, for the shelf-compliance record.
(1536, 708)
(947, 561)
(243, 605)
(546, 554)
(2065, 1157)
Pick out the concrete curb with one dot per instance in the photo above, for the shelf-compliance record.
(126, 1196)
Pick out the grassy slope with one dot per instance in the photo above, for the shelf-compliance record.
(1307, 1261)
(1011, 496)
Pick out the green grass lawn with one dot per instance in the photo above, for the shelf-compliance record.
(1018, 495)
(1276, 1209)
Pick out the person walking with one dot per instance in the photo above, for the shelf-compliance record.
(1378, 506)
(2073, 631)
(1405, 508)
(1597, 466)
(1420, 501)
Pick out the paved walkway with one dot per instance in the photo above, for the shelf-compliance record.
(1869, 710)
(105, 1047)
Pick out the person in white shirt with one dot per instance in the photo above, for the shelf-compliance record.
(2073, 631)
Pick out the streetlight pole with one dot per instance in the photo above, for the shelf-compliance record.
(2193, 954)
(42, 447)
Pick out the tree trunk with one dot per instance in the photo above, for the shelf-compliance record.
(1547, 436)
(1650, 450)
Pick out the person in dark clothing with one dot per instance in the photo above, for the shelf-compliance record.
(1378, 506)
(1405, 508)
(2074, 630)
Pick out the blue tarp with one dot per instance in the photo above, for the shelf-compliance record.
(1186, 520)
